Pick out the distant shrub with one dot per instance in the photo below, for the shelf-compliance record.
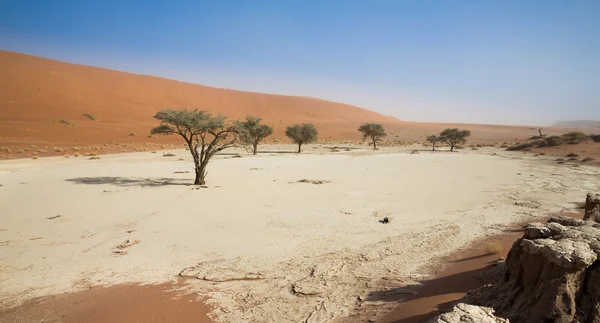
(572, 155)
(169, 155)
(553, 141)
(492, 247)
(587, 159)
(65, 122)
(91, 116)
(575, 137)
(132, 133)
(522, 146)
(595, 138)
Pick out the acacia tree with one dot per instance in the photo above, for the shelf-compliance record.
(302, 134)
(373, 130)
(204, 134)
(251, 132)
(454, 136)
(433, 139)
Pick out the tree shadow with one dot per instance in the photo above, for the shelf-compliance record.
(130, 181)
(276, 152)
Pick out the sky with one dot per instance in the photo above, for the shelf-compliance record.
(527, 62)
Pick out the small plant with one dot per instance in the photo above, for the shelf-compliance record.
(94, 157)
(89, 115)
(492, 247)
(66, 122)
(169, 155)
(132, 133)
(572, 155)
(35, 157)
(587, 159)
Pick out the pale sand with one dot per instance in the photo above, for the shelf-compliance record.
(286, 251)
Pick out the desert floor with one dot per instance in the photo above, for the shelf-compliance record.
(259, 244)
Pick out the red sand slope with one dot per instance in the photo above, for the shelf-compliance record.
(36, 93)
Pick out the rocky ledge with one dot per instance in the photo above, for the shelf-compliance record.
(551, 274)
(465, 313)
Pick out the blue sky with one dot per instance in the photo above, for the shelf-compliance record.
(484, 61)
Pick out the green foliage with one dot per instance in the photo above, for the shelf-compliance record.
(187, 123)
(551, 141)
(302, 134)
(522, 146)
(575, 137)
(67, 123)
(89, 115)
(595, 138)
(251, 132)
(453, 136)
(373, 130)
(433, 139)
(572, 138)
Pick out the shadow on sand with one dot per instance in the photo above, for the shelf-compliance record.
(455, 284)
(130, 181)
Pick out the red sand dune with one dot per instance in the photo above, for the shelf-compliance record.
(36, 93)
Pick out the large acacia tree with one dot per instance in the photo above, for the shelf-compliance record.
(453, 136)
(251, 132)
(302, 134)
(204, 134)
(374, 131)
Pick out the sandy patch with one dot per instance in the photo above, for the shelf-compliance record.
(264, 249)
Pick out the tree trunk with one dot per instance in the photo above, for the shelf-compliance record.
(200, 176)
(299, 146)
(255, 146)
(433, 147)
(451, 147)
(374, 144)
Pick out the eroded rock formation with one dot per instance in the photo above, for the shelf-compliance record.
(552, 275)
(592, 207)
(464, 313)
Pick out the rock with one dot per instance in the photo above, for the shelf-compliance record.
(592, 207)
(464, 313)
(552, 274)
(221, 271)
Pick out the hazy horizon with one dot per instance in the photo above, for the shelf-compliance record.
(509, 62)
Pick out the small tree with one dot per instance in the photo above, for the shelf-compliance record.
(200, 130)
(302, 134)
(251, 132)
(540, 131)
(373, 130)
(454, 136)
(433, 139)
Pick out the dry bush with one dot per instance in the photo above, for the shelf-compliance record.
(169, 155)
(587, 159)
(492, 247)
(94, 157)
(572, 155)
(35, 157)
